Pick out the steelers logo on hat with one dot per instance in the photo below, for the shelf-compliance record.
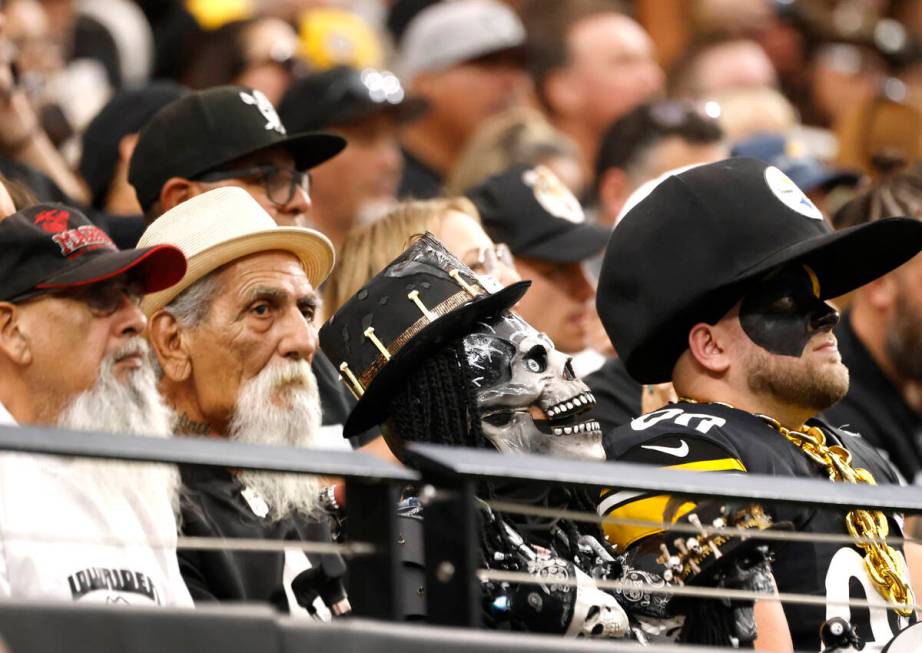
(552, 195)
(790, 194)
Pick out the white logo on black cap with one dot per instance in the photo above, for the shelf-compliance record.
(553, 195)
(261, 102)
(790, 195)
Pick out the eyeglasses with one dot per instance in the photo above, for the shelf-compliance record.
(490, 259)
(280, 184)
(102, 299)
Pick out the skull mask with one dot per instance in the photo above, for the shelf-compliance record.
(527, 394)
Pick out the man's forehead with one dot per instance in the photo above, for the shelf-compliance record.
(273, 268)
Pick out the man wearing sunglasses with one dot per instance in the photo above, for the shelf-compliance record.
(72, 355)
(227, 136)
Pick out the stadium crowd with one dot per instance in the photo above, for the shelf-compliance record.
(682, 233)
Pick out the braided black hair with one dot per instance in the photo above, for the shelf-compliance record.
(437, 402)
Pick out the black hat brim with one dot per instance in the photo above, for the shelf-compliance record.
(371, 408)
(309, 149)
(406, 111)
(578, 243)
(157, 268)
(848, 259)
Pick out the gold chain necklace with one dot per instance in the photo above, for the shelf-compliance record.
(883, 564)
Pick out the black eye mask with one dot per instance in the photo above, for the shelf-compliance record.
(784, 312)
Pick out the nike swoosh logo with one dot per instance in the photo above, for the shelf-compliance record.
(679, 452)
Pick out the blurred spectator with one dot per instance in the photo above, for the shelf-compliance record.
(231, 370)
(115, 33)
(399, 15)
(334, 37)
(789, 155)
(746, 112)
(590, 65)
(516, 137)
(455, 221)
(720, 63)
(366, 108)
(880, 337)
(258, 53)
(464, 58)
(109, 142)
(652, 139)
(879, 135)
(543, 224)
(842, 76)
(72, 356)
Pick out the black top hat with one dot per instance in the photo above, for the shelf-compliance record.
(423, 299)
(204, 130)
(688, 251)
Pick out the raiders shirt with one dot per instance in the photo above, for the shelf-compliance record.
(717, 438)
(216, 504)
(62, 538)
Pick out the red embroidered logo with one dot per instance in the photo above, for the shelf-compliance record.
(53, 221)
(83, 239)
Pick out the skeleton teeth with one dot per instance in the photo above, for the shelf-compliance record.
(558, 431)
(569, 405)
(567, 430)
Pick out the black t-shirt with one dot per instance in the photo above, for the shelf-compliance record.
(875, 408)
(419, 181)
(712, 437)
(213, 505)
(617, 395)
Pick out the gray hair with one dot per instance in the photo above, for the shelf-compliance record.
(190, 308)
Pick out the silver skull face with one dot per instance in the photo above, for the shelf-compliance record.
(529, 399)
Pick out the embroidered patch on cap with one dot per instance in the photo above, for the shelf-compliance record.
(790, 195)
(261, 102)
(552, 195)
(52, 221)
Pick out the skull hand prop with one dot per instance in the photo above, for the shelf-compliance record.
(553, 605)
(528, 396)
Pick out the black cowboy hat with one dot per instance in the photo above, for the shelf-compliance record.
(688, 251)
(422, 300)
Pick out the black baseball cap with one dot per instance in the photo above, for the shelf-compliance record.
(126, 113)
(205, 130)
(52, 246)
(690, 250)
(342, 95)
(529, 209)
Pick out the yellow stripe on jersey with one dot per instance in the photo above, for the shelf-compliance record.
(649, 509)
(624, 506)
(720, 465)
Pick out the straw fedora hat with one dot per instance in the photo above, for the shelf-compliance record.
(226, 224)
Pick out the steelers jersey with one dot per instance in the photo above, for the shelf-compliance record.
(718, 438)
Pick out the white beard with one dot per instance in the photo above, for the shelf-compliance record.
(131, 406)
(280, 407)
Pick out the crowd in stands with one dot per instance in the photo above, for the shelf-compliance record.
(654, 231)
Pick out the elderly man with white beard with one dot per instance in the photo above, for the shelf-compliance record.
(234, 341)
(72, 355)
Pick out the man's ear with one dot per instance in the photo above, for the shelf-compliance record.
(169, 343)
(126, 146)
(14, 343)
(561, 93)
(613, 186)
(177, 190)
(881, 293)
(708, 346)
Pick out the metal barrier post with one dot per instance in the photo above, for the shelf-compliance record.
(374, 581)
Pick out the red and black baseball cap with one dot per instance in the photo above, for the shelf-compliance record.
(204, 130)
(52, 246)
